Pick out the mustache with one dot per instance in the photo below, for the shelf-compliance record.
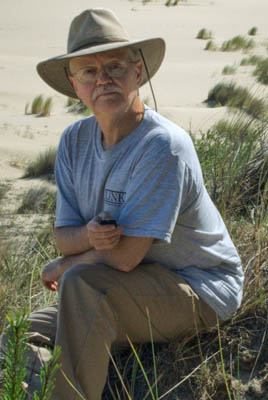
(110, 87)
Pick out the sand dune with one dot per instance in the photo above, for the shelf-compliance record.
(33, 30)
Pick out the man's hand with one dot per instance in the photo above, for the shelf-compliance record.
(51, 274)
(53, 271)
(103, 237)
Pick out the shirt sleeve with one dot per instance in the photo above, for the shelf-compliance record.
(154, 194)
(67, 208)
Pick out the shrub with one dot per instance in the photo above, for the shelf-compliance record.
(228, 94)
(211, 46)
(15, 363)
(38, 200)
(253, 31)
(252, 60)
(204, 34)
(42, 165)
(237, 43)
(229, 70)
(261, 71)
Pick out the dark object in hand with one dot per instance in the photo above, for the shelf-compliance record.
(108, 222)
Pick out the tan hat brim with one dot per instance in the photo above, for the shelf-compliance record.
(54, 70)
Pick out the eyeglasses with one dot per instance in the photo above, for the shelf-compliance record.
(90, 73)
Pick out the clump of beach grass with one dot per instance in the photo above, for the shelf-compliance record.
(237, 43)
(71, 101)
(77, 107)
(231, 95)
(38, 200)
(42, 165)
(211, 46)
(37, 104)
(47, 107)
(253, 31)
(238, 180)
(251, 60)
(229, 70)
(204, 34)
(174, 3)
(3, 190)
(39, 107)
(261, 71)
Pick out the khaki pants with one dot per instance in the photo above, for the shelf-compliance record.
(98, 307)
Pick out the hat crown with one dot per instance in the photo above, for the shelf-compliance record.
(95, 26)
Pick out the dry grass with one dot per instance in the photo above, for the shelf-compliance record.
(38, 200)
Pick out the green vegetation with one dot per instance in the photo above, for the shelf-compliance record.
(253, 31)
(251, 60)
(71, 101)
(211, 46)
(3, 190)
(261, 71)
(234, 157)
(204, 34)
(43, 165)
(46, 108)
(174, 3)
(229, 70)
(39, 106)
(77, 107)
(237, 43)
(229, 94)
(15, 363)
(38, 200)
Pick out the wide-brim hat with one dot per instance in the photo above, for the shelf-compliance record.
(95, 31)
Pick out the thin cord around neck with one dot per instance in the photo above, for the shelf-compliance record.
(148, 76)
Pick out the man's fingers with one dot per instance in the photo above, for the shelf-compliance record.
(96, 227)
(107, 234)
(106, 245)
(51, 285)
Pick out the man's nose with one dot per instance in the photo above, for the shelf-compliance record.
(102, 77)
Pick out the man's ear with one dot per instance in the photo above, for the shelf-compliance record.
(139, 72)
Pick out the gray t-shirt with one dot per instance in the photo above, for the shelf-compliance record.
(151, 183)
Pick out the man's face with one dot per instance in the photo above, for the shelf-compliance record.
(106, 82)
